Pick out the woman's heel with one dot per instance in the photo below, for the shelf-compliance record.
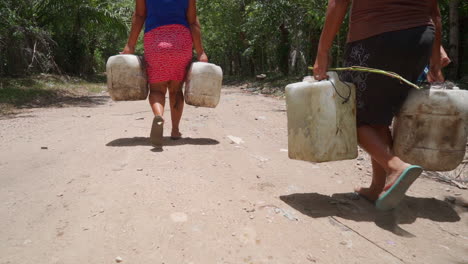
(156, 136)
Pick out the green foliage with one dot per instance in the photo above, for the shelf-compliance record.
(245, 37)
(60, 35)
(23, 43)
(43, 90)
(19, 92)
(248, 37)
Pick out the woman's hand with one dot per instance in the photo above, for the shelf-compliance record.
(203, 57)
(321, 67)
(444, 58)
(435, 74)
(128, 50)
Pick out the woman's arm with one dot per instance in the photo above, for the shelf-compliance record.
(196, 31)
(138, 20)
(336, 12)
(435, 72)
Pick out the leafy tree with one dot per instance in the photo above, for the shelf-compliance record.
(59, 35)
(78, 26)
(245, 37)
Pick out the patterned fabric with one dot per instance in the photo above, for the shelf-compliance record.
(357, 55)
(168, 52)
(406, 52)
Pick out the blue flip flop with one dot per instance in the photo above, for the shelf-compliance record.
(393, 196)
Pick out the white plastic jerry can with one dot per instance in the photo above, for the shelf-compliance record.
(322, 120)
(431, 129)
(126, 78)
(203, 86)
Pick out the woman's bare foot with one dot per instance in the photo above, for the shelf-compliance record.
(394, 175)
(175, 135)
(371, 194)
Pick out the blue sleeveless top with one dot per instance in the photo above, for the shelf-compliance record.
(165, 12)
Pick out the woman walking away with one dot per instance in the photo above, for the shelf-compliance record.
(396, 36)
(171, 30)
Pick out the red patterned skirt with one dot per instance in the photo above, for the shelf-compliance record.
(168, 52)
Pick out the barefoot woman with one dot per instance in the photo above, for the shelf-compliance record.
(392, 35)
(171, 31)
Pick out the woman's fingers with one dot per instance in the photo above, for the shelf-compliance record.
(435, 73)
(128, 50)
(444, 61)
(321, 67)
(435, 76)
(320, 72)
(320, 75)
(203, 57)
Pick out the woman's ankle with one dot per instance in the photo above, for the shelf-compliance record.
(396, 164)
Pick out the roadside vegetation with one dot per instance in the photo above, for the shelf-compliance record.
(45, 45)
(44, 90)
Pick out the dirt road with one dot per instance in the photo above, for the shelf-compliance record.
(83, 185)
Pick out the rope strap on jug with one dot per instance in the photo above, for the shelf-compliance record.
(345, 99)
(371, 70)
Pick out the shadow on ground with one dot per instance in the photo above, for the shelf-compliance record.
(350, 206)
(49, 91)
(167, 141)
(57, 100)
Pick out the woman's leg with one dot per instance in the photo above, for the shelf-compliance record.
(176, 100)
(157, 97)
(157, 100)
(379, 174)
(377, 141)
(377, 185)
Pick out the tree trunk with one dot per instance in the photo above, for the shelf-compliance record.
(239, 64)
(252, 64)
(230, 61)
(262, 51)
(284, 50)
(454, 39)
(314, 37)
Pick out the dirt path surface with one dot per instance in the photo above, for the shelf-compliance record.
(83, 185)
